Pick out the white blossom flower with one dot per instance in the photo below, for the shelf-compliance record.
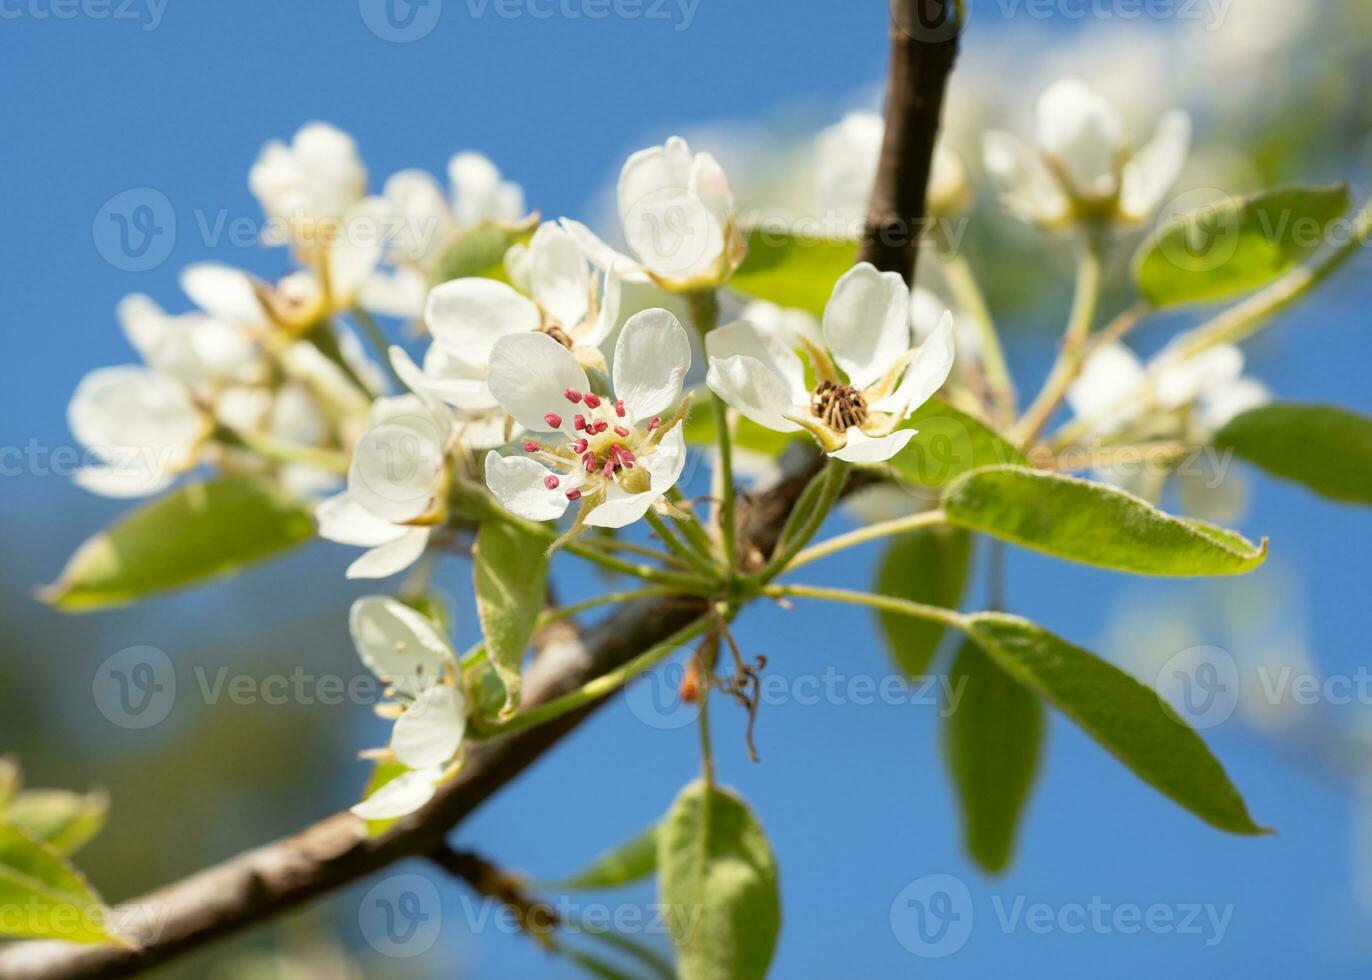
(677, 213)
(422, 223)
(846, 156)
(421, 672)
(855, 414)
(397, 483)
(612, 452)
(1083, 169)
(309, 184)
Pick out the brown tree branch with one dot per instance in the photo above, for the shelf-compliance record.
(261, 884)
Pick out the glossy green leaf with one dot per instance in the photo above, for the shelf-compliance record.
(631, 861)
(62, 820)
(1326, 448)
(792, 269)
(929, 565)
(198, 532)
(1236, 245)
(478, 251)
(949, 443)
(47, 898)
(1126, 718)
(993, 736)
(510, 569)
(1094, 524)
(718, 880)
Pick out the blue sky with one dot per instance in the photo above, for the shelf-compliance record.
(853, 795)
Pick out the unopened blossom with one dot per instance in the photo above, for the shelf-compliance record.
(869, 376)
(307, 186)
(1083, 168)
(146, 425)
(615, 453)
(414, 660)
(397, 485)
(846, 156)
(677, 214)
(422, 222)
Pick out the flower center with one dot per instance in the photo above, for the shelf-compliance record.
(603, 443)
(838, 406)
(558, 334)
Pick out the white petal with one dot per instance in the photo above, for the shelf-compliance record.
(118, 412)
(773, 349)
(1027, 186)
(602, 256)
(518, 483)
(145, 324)
(317, 176)
(754, 390)
(846, 164)
(558, 275)
(867, 322)
(444, 378)
(1083, 131)
(401, 796)
(528, 375)
(1220, 406)
(790, 326)
(479, 193)
(123, 480)
(1180, 382)
(342, 519)
(675, 236)
(1103, 389)
(666, 463)
(1152, 171)
(400, 293)
(711, 185)
(397, 468)
(386, 560)
(467, 316)
(862, 448)
(488, 432)
(657, 173)
(927, 371)
(399, 644)
(651, 359)
(431, 729)
(354, 253)
(224, 292)
(420, 223)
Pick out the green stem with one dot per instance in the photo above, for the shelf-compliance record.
(968, 296)
(281, 451)
(600, 687)
(902, 607)
(831, 481)
(677, 546)
(864, 534)
(704, 306)
(707, 654)
(633, 548)
(1068, 366)
(377, 338)
(689, 525)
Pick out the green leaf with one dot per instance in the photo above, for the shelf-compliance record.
(1235, 246)
(718, 879)
(1128, 719)
(198, 532)
(792, 269)
(993, 735)
(11, 778)
(1326, 448)
(478, 251)
(49, 898)
(929, 566)
(631, 861)
(62, 820)
(949, 444)
(511, 573)
(1094, 524)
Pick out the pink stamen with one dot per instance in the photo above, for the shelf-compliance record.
(592, 400)
(532, 447)
(619, 408)
(625, 455)
(609, 468)
(572, 395)
(600, 426)
(588, 461)
(574, 494)
(551, 482)
(622, 432)
(579, 423)
(655, 422)
(579, 446)
(553, 419)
